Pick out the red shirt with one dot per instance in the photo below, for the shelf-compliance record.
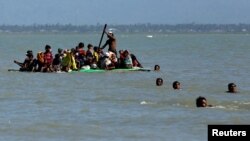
(82, 52)
(48, 58)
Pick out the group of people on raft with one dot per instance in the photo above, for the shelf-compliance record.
(77, 58)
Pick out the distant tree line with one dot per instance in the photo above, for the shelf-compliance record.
(132, 28)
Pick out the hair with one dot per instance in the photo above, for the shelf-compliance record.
(133, 57)
(231, 85)
(199, 101)
(159, 79)
(60, 50)
(47, 47)
(73, 50)
(57, 55)
(95, 48)
(156, 67)
(81, 44)
(174, 83)
(29, 51)
(111, 33)
(90, 45)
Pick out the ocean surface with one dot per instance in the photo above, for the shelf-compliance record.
(126, 106)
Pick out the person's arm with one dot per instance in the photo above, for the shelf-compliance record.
(104, 45)
(209, 105)
(110, 36)
(18, 63)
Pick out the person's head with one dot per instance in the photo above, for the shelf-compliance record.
(126, 53)
(73, 50)
(29, 53)
(121, 52)
(232, 88)
(99, 50)
(159, 81)
(60, 50)
(57, 56)
(95, 48)
(176, 85)
(47, 48)
(40, 53)
(111, 33)
(90, 46)
(77, 48)
(112, 56)
(201, 102)
(81, 45)
(40, 56)
(157, 68)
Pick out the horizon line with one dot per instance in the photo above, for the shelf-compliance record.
(99, 24)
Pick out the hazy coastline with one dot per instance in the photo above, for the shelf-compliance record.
(131, 28)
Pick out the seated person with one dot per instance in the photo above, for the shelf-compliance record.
(135, 62)
(68, 61)
(48, 59)
(89, 55)
(40, 61)
(125, 59)
(57, 63)
(29, 63)
(106, 62)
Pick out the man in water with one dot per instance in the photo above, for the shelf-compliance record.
(176, 85)
(232, 88)
(111, 42)
(159, 82)
(157, 68)
(202, 102)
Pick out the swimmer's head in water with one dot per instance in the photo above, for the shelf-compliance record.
(159, 81)
(232, 88)
(201, 102)
(176, 85)
(157, 68)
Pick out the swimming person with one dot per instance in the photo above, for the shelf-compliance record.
(157, 68)
(159, 82)
(232, 88)
(176, 85)
(202, 102)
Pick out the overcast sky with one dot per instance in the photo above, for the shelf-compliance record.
(81, 12)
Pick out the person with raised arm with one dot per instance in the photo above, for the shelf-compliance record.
(111, 42)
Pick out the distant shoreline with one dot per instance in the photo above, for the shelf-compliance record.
(132, 28)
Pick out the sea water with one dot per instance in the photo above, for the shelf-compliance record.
(126, 106)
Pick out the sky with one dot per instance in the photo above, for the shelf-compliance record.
(91, 12)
